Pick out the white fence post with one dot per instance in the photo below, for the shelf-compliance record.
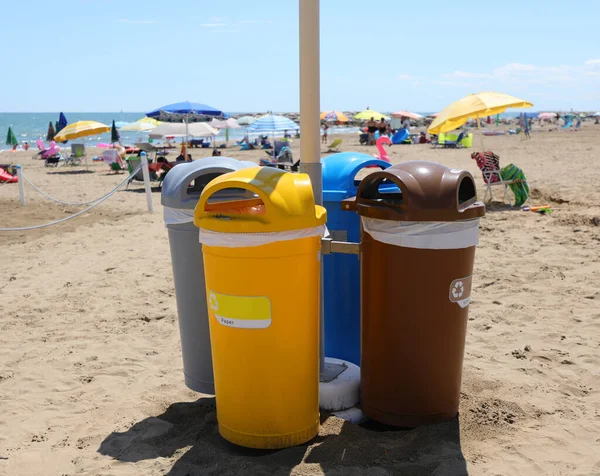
(146, 173)
(21, 185)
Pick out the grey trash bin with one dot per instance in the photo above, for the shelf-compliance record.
(180, 192)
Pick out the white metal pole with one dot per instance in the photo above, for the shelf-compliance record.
(146, 174)
(21, 185)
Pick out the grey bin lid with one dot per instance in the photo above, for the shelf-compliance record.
(176, 190)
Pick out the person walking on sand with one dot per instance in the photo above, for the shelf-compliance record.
(371, 129)
(324, 136)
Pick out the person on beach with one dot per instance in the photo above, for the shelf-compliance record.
(26, 146)
(371, 129)
(324, 136)
(406, 124)
(383, 127)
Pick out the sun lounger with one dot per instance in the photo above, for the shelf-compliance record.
(334, 146)
(454, 144)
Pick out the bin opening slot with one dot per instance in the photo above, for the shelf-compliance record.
(466, 191)
(235, 209)
(196, 186)
(384, 191)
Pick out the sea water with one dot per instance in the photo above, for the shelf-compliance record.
(31, 126)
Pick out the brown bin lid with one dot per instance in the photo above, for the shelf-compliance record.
(428, 192)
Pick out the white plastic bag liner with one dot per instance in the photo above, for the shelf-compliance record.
(176, 216)
(425, 235)
(246, 240)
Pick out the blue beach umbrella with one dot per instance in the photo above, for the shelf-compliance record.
(185, 108)
(62, 123)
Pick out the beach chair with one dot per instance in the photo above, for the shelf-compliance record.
(279, 145)
(284, 161)
(334, 146)
(454, 144)
(78, 154)
(132, 164)
(441, 140)
(509, 176)
(111, 158)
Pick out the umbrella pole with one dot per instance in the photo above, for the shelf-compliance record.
(480, 134)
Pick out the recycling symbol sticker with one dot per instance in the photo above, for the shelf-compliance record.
(460, 291)
(212, 302)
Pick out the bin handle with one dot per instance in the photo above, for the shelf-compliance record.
(367, 164)
(375, 180)
(242, 183)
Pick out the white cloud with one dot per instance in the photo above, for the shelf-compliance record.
(405, 77)
(466, 75)
(136, 22)
(544, 73)
(212, 25)
(593, 62)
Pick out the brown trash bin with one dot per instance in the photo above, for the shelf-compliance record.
(417, 253)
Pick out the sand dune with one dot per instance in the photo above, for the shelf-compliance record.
(90, 373)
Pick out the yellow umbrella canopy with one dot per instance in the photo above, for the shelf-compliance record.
(474, 106)
(81, 129)
(368, 114)
(143, 124)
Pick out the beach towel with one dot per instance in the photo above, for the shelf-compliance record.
(519, 187)
(487, 162)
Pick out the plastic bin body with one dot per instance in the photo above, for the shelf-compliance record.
(180, 192)
(415, 296)
(264, 309)
(341, 273)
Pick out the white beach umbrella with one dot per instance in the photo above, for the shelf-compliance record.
(181, 129)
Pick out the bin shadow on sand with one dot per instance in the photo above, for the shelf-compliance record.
(340, 449)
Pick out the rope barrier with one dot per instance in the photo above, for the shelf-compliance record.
(41, 192)
(98, 202)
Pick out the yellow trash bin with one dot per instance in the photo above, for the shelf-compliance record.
(262, 268)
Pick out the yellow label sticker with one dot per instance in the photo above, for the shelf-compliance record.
(244, 312)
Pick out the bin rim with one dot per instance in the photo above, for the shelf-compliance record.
(249, 240)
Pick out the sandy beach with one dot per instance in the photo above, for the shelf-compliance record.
(91, 375)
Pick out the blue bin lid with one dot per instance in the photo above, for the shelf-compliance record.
(176, 190)
(339, 171)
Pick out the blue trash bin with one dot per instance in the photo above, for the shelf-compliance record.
(341, 272)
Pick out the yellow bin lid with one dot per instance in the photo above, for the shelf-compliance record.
(285, 202)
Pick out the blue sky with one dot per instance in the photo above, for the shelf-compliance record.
(136, 55)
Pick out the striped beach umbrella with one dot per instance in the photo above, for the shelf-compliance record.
(334, 116)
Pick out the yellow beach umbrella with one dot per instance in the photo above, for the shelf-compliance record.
(334, 116)
(368, 114)
(143, 124)
(474, 106)
(81, 129)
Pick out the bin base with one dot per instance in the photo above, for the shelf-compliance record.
(199, 385)
(353, 415)
(343, 391)
(407, 420)
(269, 442)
